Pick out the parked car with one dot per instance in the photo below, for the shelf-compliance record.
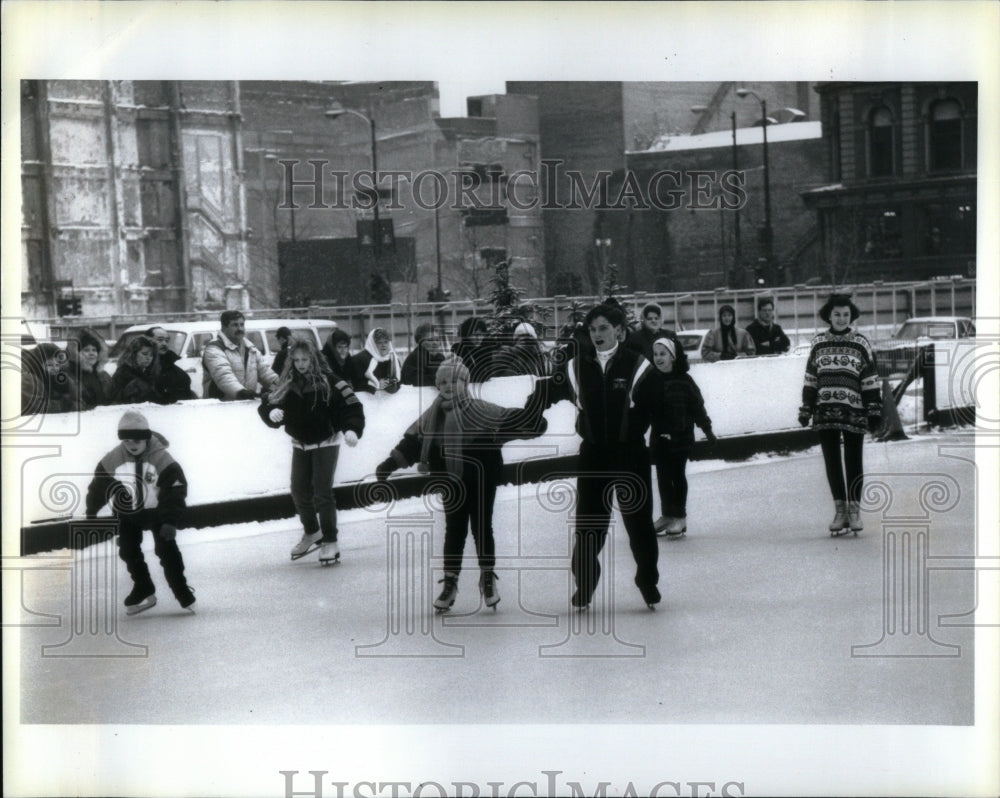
(692, 340)
(935, 327)
(188, 339)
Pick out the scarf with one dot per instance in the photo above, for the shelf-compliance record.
(371, 349)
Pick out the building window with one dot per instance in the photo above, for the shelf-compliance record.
(944, 136)
(949, 229)
(881, 143)
(881, 239)
(835, 147)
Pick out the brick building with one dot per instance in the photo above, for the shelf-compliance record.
(899, 200)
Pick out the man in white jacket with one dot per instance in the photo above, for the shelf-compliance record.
(232, 367)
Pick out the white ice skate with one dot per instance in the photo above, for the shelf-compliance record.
(307, 545)
(329, 553)
(661, 524)
(677, 528)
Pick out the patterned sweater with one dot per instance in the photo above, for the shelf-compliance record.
(842, 389)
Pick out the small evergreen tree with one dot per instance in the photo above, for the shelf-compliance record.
(508, 311)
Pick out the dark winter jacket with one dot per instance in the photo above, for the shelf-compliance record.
(382, 371)
(768, 340)
(523, 356)
(309, 419)
(161, 488)
(485, 427)
(346, 371)
(95, 388)
(671, 404)
(278, 364)
(42, 392)
(131, 385)
(173, 383)
(478, 358)
(604, 400)
(420, 367)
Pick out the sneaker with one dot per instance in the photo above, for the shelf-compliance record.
(488, 587)
(187, 601)
(329, 552)
(309, 543)
(676, 528)
(140, 599)
(448, 594)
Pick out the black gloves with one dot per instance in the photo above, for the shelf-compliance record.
(874, 424)
(710, 437)
(804, 415)
(383, 469)
(243, 393)
(168, 532)
(392, 385)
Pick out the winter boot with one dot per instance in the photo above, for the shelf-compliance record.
(448, 594)
(677, 527)
(854, 516)
(329, 552)
(488, 587)
(140, 599)
(309, 543)
(839, 523)
(661, 524)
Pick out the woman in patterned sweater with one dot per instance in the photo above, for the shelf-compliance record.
(841, 395)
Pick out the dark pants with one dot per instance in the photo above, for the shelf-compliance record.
(312, 489)
(671, 479)
(850, 466)
(130, 550)
(470, 505)
(627, 474)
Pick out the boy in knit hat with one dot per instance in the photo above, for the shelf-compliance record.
(146, 489)
(461, 437)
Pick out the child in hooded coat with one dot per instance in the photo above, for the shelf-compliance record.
(461, 437)
(669, 400)
(146, 489)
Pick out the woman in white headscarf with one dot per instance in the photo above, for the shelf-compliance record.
(378, 364)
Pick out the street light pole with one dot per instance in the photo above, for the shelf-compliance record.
(738, 252)
(334, 113)
(768, 232)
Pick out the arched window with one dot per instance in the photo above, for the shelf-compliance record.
(881, 143)
(944, 136)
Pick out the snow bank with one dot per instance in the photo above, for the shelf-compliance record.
(229, 454)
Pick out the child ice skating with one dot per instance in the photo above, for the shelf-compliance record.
(671, 401)
(842, 395)
(318, 412)
(146, 489)
(461, 436)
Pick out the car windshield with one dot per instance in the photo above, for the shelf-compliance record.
(176, 341)
(926, 329)
(688, 341)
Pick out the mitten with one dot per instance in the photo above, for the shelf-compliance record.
(168, 532)
(277, 415)
(243, 393)
(804, 416)
(391, 385)
(710, 437)
(874, 424)
(385, 468)
(543, 424)
(351, 438)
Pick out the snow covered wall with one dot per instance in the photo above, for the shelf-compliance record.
(229, 454)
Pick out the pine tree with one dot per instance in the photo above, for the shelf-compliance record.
(505, 297)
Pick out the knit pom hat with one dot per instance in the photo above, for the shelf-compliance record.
(670, 345)
(451, 369)
(524, 329)
(133, 427)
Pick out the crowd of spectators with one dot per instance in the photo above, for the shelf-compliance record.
(58, 379)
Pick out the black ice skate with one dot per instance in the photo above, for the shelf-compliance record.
(140, 599)
(448, 594)
(650, 594)
(579, 601)
(329, 553)
(186, 600)
(488, 587)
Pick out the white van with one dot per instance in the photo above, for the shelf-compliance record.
(188, 339)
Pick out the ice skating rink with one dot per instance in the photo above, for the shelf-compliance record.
(765, 621)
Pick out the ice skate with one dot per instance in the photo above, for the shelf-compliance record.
(308, 544)
(579, 601)
(839, 525)
(661, 524)
(677, 528)
(650, 594)
(140, 599)
(187, 601)
(448, 594)
(488, 587)
(854, 517)
(329, 553)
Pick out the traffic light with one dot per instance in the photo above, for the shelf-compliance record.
(69, 306)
